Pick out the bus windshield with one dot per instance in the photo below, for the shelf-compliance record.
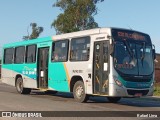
(132, 52)
(133, 58)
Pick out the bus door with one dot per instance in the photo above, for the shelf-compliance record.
(101, 68)
(42, 68)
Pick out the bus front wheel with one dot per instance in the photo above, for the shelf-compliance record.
(79, 92)
(20, 88)
(113, 99)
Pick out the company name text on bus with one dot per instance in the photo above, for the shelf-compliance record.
(134, 36)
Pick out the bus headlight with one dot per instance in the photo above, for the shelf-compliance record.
(118, 82)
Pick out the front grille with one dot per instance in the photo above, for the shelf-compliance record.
(132, 79)
(133, 92)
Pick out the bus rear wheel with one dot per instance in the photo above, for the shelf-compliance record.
(113, 99)
(20, 88)
(79, 92)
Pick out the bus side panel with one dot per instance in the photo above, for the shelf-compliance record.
(7, 75)
(83, 70)
(58, 77)
(60, 74)
(28, 73)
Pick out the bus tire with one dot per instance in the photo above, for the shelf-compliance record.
(20, 88)
(79, 92)
(113, 99)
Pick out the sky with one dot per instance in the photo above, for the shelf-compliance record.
(140, 15)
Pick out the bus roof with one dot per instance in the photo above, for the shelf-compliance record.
(27, 42)
(65, 36)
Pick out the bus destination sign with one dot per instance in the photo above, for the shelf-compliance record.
(134, 36)
(130, 35)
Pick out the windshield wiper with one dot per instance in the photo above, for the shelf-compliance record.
(128, 49)
(133, 61)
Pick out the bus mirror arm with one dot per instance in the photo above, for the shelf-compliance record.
(154, 52)
(111, 49)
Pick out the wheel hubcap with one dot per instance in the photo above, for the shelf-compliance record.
(20, 86)
(79, 91)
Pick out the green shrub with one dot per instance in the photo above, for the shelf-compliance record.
(157, 89)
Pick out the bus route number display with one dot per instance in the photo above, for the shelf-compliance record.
(134, 36)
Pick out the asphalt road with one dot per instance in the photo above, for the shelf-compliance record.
(10, 100)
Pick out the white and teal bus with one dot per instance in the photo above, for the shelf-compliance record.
(108, 62)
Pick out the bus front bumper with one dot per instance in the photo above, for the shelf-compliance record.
(117, 91)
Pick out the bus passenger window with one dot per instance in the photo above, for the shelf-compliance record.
(19, 54)
(80, 48)
(8, 55)
(31, 54)
(60, 51)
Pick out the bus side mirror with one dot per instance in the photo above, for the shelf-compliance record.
(154, 54)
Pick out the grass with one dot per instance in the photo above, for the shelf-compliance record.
(157, 90)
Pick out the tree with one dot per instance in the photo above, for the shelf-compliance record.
(36, 31)
(77, 15)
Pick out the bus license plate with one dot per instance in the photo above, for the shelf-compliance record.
(138, 94)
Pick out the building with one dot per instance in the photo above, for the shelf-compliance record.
(157, 68)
